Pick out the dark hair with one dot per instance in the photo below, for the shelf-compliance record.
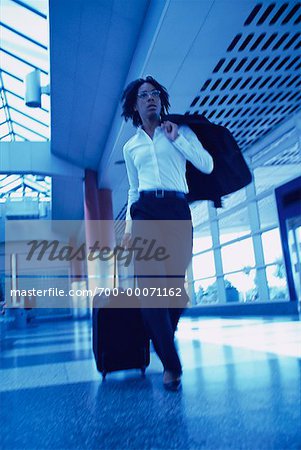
(129, 99)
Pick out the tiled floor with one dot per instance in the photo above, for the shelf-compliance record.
(241, 390)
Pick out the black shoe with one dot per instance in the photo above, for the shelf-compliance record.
(173, 386)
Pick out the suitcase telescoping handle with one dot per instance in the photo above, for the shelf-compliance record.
(115, 274)
(115, 270)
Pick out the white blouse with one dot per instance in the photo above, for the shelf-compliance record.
(159, 163)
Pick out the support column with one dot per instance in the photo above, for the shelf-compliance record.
(214, 227)
(261, 278)
(190, 284)
(78, 283)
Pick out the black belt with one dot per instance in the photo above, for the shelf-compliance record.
(161, 193)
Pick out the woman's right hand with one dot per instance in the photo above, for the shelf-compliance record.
(126, 240)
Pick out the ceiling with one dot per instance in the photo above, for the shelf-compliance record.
(92, 45)
(236, 61)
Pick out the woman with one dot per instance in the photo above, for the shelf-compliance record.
(155, 159)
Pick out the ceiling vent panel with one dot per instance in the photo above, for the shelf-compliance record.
(256, 83)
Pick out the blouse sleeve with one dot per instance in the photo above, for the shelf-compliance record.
(191, 148)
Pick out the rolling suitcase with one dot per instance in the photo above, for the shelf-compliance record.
(119, 337)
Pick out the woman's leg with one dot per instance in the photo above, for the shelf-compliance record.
(151, 277)
(160, 328)
(175, 314)
(179, 242)
(161, 313)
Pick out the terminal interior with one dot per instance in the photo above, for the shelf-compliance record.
(63, 68)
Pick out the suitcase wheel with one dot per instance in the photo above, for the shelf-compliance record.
(104, 374)
(143, 371)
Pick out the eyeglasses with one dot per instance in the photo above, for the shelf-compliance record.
(145, 94)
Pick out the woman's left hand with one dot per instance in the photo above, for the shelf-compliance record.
(170, 129)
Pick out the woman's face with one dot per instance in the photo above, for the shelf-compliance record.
(148, 102)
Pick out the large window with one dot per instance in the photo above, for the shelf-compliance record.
(272, 246)
(202, 240)
(244, 282)
(275, 269)
(25, 196)
(203, 265)
(24, 48)
(239, 253)
(234, 225)
(267, 209)
(205, 291)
